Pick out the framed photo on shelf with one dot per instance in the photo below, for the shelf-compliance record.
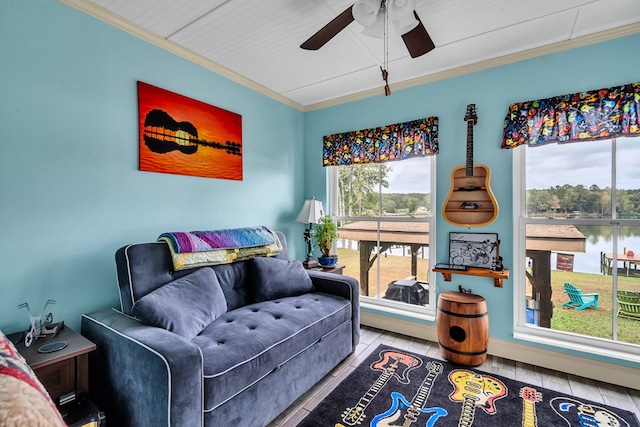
(474, 249)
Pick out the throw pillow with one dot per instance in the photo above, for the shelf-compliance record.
(276, 278)
(184, 306)
(23, 399)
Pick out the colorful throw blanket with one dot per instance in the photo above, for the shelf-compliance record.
(23, 399)
(190, 249)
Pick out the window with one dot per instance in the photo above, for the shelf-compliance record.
(385, 219)
(577, 222)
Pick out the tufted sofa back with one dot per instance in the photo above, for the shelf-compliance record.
(144, 267)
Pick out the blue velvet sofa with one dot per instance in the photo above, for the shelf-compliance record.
(227, 345)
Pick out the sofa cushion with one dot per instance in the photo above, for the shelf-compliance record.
(144, 267)
(185, 305)
(243, 345)
(235, 281)
(276, 278)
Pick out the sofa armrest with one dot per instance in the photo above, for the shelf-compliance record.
(342, 286)
(142, 375)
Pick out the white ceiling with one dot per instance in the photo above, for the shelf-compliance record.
(258, 41)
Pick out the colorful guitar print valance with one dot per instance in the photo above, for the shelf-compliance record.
(584, 116)
(417, 138)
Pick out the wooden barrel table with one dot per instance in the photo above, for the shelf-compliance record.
(463, 328)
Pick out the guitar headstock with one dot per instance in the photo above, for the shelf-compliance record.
(353, 416)
(530, 394)
(435, 368)
(471, 114)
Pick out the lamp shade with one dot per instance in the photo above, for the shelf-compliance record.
(371, 14)
(365, 12)
(401, 7)
(311, 212)
(376, 29)
(406, 24)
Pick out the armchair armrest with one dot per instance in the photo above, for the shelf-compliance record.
(142, 375)
(342, 286)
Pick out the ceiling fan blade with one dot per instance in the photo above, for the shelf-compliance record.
(329, 31)
(417, 40)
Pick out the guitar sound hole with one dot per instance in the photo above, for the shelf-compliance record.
(457, 333)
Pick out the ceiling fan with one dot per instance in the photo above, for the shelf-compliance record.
(374, 15)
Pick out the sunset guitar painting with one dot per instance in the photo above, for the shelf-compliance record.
(183, 136)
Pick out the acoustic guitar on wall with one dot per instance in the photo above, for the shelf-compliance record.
(470, 202)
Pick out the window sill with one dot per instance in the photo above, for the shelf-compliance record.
(586, 345)
(397, 310)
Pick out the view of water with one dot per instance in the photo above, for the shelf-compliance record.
(598, 240)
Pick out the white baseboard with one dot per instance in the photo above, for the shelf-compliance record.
(589, 368)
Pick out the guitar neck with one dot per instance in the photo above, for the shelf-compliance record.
(529, 414)
(425, 389)
(468, 413)
(374, 389)
(469, 167)
(183, 138)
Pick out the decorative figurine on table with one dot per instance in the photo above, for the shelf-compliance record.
(40, 327)
(463, 290)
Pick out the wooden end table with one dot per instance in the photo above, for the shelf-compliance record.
(64, 372)
(336, 269)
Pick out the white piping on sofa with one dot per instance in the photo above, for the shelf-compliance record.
(161, 357)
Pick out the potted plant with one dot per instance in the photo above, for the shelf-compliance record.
(326, 232)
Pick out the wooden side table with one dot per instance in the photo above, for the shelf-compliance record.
(336, 269)
(63, 372)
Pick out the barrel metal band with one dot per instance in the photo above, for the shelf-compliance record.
(468, 316)
(463, 353)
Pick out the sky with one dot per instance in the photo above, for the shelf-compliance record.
(409, 176)
(585, 163)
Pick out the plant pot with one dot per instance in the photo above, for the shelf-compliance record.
(328, 261)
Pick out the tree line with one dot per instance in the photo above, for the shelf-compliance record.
(360, 190)
(359, 193)
(590, 201)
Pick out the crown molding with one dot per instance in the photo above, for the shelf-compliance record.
(136, 30)
(114, 20)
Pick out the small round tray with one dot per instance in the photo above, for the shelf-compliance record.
(52, 346)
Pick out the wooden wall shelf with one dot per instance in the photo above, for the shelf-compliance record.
(497, 276)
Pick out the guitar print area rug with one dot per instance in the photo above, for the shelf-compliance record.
(394, 387)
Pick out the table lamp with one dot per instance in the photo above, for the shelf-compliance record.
(311, 213)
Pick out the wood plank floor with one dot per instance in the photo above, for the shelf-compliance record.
(370, 338)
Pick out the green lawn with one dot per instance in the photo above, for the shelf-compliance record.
(588, 322)
(591, 322)
(391, 268)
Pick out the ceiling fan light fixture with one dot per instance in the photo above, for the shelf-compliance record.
(377, 14)
(365, 12)
(401, 7)
(404, 24)
(377, 28)
(402, 16)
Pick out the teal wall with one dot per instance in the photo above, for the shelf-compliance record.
(492, 90)
(71, 194)
(70, 191)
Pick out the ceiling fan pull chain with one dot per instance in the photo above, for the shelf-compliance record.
(385, 76)
(385, 57)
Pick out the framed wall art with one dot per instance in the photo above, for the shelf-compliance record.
(474, 249)
(180, 135)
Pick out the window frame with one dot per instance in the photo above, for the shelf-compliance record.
(531, 333)
(395, 307)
